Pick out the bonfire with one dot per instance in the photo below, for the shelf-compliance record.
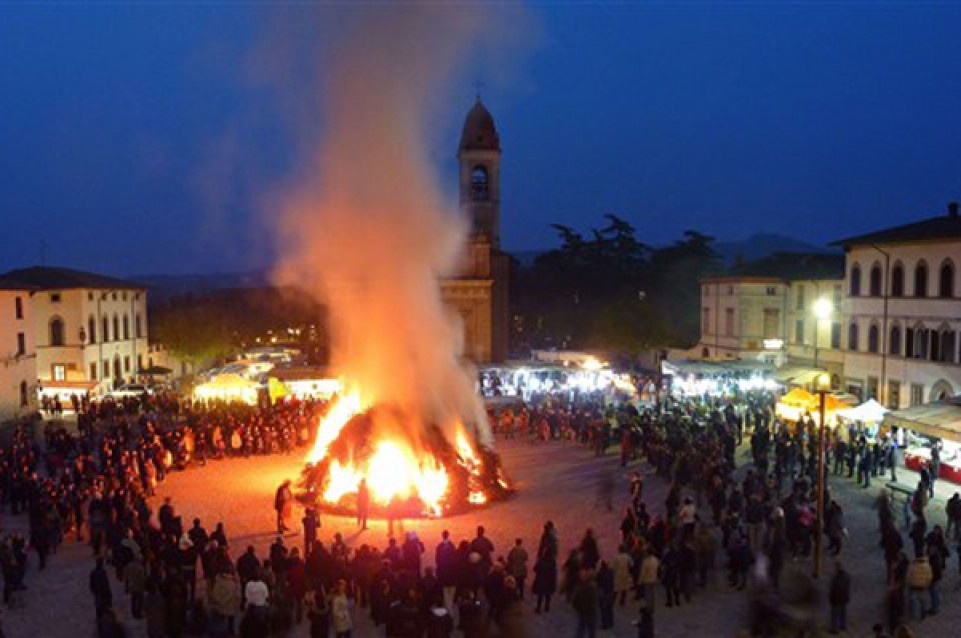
(411, 468)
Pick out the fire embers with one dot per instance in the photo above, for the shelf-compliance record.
(410, 470)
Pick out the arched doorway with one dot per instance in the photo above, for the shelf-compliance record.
(941, 390)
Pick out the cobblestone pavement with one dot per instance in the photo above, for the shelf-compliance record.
(556, 482)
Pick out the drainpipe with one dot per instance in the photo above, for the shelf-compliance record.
(883, 389)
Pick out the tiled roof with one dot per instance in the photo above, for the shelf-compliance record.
(51, 278)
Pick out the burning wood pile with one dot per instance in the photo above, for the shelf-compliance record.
(410, 469)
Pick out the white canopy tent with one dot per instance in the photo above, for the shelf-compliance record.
(868, 412)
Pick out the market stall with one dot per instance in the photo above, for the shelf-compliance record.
(228, 387)
(868, 415)
(926, 425)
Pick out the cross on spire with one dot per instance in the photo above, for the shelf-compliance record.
(478, 85)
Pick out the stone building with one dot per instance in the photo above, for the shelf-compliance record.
(90, 331)
(902, 311)
(18, 354)
(480, 292)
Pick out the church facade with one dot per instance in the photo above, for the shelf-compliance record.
(480, 291)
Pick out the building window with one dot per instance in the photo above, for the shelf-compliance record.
(18, 307)
(897, 281)
(772, 323)
(894, 341)
(799, 331)
(946, 280)
(92, 329)
(21, 344)
(836, 293)
(770, 291)
(116, 328)
(56, 332)
(873, 388)
(114, 295)
(909, 342)
(59, 372)
(921, 343)
(54, 297)
(479, 184)
(800, 297)
(106, 369)
(835, 335)
(706, 318)
(948, 345)
(126, 327)
(873, 338)
(138, 326)
(894, 395)
(124, 295)
(855, 283)
(934, 352)
(874, 281)
(24, 395)
(93, 372)
(729, 322)
(917, 394)
(853, 337)
(126, 364)
(921, 280)
(89, 296)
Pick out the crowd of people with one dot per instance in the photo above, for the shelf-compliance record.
(755, 523)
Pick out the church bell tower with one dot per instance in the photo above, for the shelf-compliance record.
(479, 155)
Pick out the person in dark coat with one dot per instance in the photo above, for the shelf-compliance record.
(100, 588)
(545, 580)
(584, 601)
(605, 595)
(839, 597)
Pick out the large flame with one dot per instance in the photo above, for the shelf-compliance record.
(395, 471)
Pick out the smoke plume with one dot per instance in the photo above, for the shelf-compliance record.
(368, 230)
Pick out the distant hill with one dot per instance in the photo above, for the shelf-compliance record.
(163, 287)
(764, 244)
(751, 249)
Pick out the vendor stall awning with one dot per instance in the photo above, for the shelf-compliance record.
(868, 412)
(941, 419)
(797, 376)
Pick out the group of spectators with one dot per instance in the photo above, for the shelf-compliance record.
(753, 523)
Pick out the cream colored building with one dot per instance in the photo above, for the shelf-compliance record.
(90, 330)
(480, 292)
(902, 312)
(766, 312)
(18, 357)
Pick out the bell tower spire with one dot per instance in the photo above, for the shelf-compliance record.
(479, 155)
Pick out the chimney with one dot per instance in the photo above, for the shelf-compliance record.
(953, 210)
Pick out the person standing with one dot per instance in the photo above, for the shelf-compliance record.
(919, 579)
(839, 597)
(135, 581)
(517, 566)
(585, 603)
(363, 503)
(340, 611)
(545, 580)
(445, 557)
(311, 523)
(283, 504)
(100, 588)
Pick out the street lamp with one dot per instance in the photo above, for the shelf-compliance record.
(823, 387)
(823, 308)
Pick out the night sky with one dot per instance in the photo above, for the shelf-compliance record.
(144, 140)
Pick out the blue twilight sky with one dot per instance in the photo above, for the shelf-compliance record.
(136, 139)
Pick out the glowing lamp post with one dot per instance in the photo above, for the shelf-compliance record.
(823, 309)
(823, 386)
